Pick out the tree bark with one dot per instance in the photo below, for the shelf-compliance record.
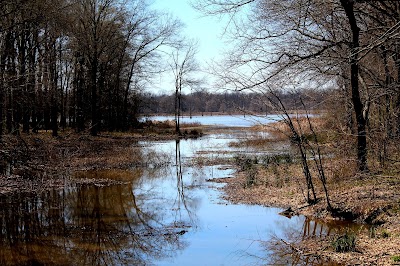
(2, 88)
(358, 106)
(93, 77)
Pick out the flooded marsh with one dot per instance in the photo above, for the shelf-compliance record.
(164, 210)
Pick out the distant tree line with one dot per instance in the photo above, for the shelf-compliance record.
(77, 63)
(234, 102)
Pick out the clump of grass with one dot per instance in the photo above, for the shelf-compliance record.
(248, 165)
(372, 232)
(385, 234)
(245, 162)
(268, 169)
(193, 132)
(344, 243)
(251, 177)
(258, 142)
(277, 159)
(396, 258)
(277, 165)
(159, 124)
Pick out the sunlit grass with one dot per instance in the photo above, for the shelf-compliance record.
(253, 142)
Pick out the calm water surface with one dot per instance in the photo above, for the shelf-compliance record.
(223, 120)
(166, 212)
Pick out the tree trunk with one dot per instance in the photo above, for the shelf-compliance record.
(79, 115)
(93, 79)
(2, 90)
(177, 111)
(11, 73)
(358, 106)
(23, 108)
(54, 89)
(2, 94)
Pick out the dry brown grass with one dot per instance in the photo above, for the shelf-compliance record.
(280, 130)
(41, 161)
(251, 142)
(167, 128)
(276, 186)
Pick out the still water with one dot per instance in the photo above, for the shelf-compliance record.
(223, 120)
(165, 211)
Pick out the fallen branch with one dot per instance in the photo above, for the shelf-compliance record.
(293, 247)
(299, 251)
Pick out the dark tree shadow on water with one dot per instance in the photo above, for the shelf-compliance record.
(85, 225)
(284, 249)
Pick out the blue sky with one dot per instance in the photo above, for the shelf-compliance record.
(206, 30)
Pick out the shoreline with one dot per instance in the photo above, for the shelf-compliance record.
(373, 199)
(230, 113)
(374, 205)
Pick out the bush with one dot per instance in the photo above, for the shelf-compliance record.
(244, 162)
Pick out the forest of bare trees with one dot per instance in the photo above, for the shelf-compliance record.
(78, 63)
(78, 80)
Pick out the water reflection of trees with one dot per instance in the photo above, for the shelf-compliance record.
(282, 250)
(87, 225)
(182, 201)
(171, 187)
(136, 223)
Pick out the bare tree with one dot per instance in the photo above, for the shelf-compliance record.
(358, 106)
(147, 36)
(183, 66)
